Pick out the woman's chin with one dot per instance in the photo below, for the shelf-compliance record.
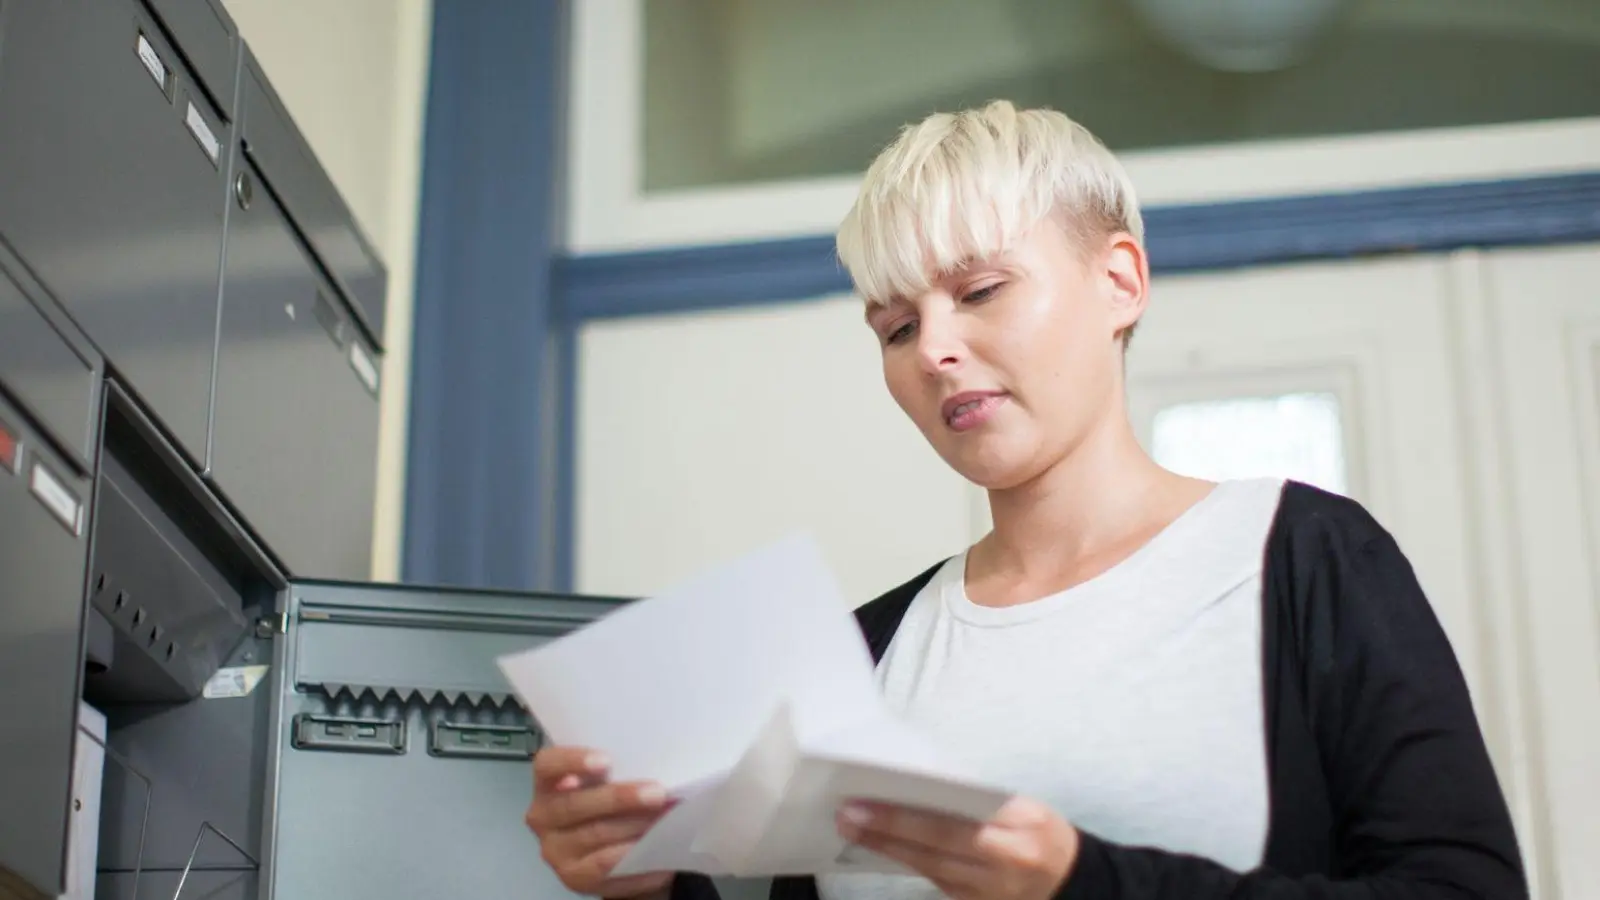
(995, 470)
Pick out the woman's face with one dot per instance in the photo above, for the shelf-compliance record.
(1008, 364)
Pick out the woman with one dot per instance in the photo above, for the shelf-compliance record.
(1197, 690)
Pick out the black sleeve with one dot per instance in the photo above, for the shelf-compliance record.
(693, 886)
(1416, 810)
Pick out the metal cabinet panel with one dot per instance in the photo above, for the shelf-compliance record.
(43, 561)
(295, 434)
(44, 371)
(112, 190)
(172, 610)
(280, 151)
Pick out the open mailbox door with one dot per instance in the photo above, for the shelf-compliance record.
(362, 743)
(397, 737)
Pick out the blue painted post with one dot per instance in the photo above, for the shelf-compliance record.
(480, 492)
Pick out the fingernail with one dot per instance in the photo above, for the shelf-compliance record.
(856, 814)
(596, 762)
(652, 795)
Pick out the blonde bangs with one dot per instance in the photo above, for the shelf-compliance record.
(963, 187)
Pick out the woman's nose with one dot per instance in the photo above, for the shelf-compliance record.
(939, 347)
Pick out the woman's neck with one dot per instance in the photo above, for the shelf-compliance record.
(1091, 510)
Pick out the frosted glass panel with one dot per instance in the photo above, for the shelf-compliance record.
(740, 91)
(1298, 436)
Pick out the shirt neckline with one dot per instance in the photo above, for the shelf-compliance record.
(952, 577)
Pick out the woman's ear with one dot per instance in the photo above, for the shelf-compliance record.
(1127, 273)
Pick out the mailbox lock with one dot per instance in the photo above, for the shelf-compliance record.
(244, 189)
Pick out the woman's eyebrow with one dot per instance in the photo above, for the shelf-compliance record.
(880, 309)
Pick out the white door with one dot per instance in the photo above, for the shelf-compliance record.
(1343, 375)
(1336, 374)
(1539, 350)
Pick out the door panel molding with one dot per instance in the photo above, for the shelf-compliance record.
(1495, 565)
(1543, 318)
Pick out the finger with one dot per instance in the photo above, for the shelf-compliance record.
(602, 833)
(553, 764)
(573, 808)
(953, 874)
(948, 835)
(1011, 846)
(597, 866)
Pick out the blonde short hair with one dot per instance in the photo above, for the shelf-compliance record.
(959, 187)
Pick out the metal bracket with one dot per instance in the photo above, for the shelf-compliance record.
(507, 742)
(269, 625)
(349, 735)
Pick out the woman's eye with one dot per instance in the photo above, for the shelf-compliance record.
(981, 294)
(899, 333)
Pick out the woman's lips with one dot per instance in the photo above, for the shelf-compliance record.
(970, 409)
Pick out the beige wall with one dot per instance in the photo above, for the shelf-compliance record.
(354, 74)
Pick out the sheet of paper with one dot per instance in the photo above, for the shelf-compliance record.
(669, 845)
(749, 692)
(674, 688)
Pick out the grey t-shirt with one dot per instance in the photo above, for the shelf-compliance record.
(1131, 703)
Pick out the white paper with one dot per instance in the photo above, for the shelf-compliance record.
(674, 688)
(749, 693)
(669, 846)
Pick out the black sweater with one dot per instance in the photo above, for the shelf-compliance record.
(1379, 779)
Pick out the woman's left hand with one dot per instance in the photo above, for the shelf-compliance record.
(1025, 852)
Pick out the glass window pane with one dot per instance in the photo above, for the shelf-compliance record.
(1296, 436)
(739, 91)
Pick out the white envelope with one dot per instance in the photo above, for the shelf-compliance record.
(776, 813)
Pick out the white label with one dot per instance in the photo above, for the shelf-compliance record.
(235, 681)
(362, 363)
(152, 62)
(202, 133)
(55, 497)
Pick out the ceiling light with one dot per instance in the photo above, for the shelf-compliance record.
(1240, 35)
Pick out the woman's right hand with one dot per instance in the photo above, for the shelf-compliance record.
(586, 824)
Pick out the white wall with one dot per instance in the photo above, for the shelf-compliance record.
(703, 437)
(354, 74)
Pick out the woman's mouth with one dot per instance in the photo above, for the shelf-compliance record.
(970, 409)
